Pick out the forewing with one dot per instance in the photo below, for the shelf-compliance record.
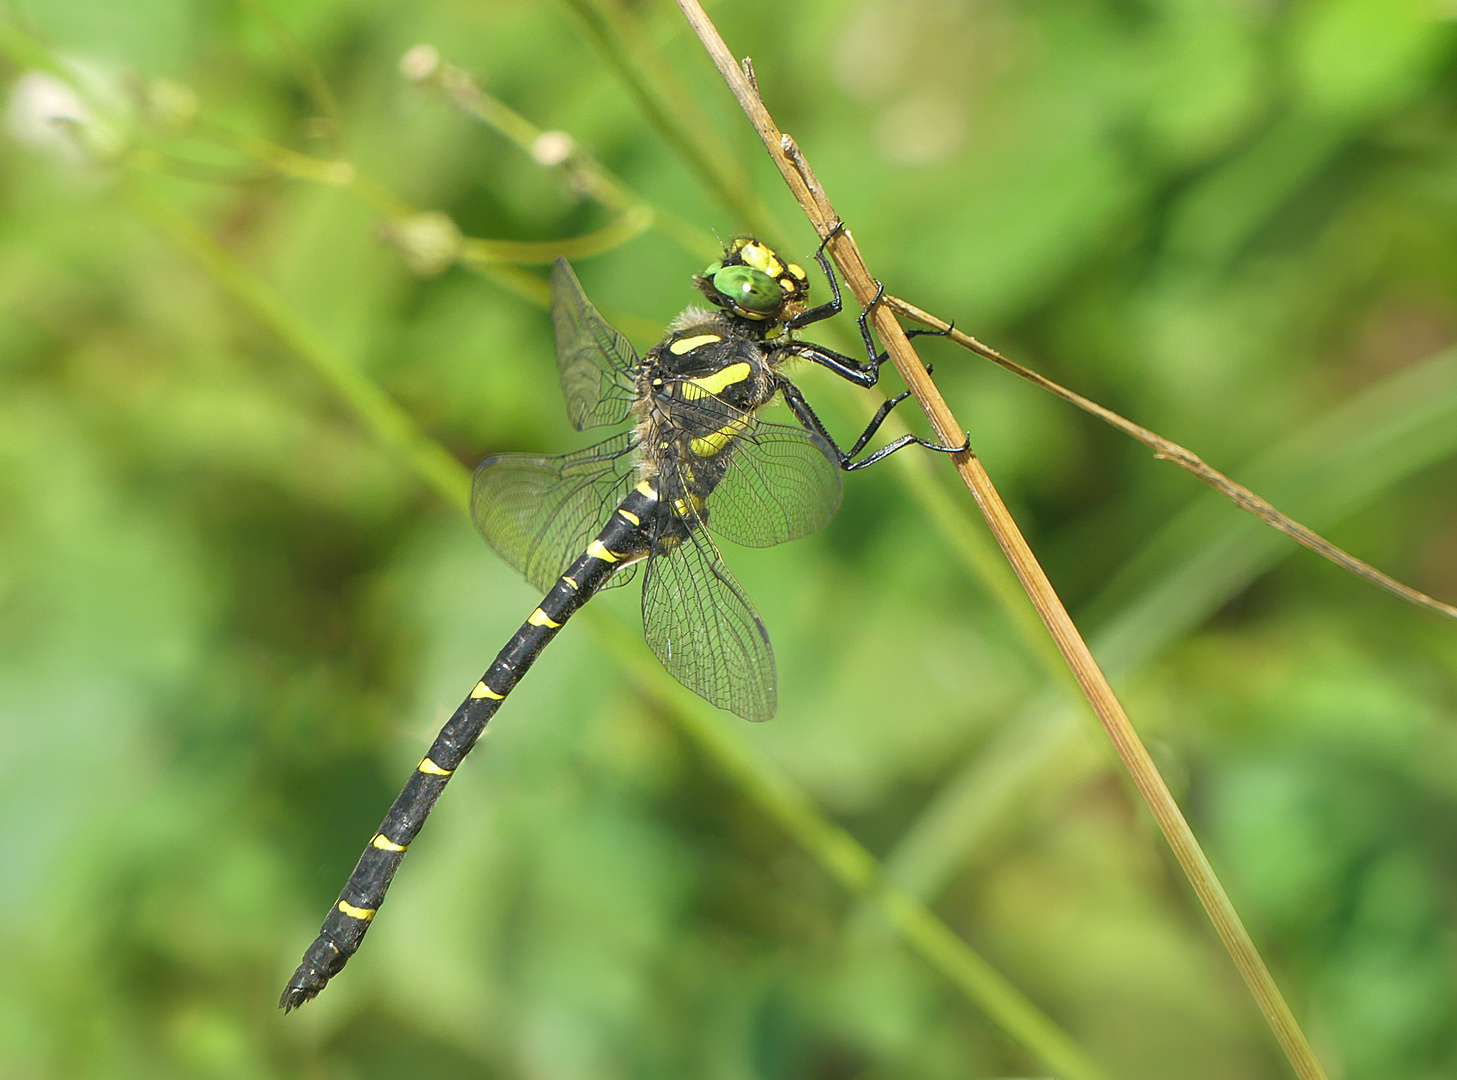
(539, 513)
(781, 483)
(596, 362)
(705, 631)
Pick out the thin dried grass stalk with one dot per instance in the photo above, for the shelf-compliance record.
(1136, 760)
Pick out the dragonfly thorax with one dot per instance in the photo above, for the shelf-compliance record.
(703, 384)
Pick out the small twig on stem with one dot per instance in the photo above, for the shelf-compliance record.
(1186, 459)
(748, 66)
(1136, 760)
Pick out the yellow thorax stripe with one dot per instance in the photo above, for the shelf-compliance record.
(688, 344)
(709, 445)
(724, 377)
(692, 504)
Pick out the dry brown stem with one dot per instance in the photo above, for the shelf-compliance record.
(1187, 460)
(841, 246)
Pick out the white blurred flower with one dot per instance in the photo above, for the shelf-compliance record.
(44, 113)
(552, 148)
(420, 63)
(47, 113)
(430, 241)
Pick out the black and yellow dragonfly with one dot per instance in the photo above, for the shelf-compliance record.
(697, 461)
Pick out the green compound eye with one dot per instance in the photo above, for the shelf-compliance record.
(749, 289)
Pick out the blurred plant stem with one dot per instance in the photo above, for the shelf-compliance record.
(837, 852)
(669, 109)
(848, 862)
(385, 420)
(550, 149)
(27, 54)
(327, 123)
(405, 226)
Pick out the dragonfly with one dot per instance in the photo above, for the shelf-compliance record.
(694, 462)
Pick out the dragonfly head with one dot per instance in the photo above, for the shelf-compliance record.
(754, 283)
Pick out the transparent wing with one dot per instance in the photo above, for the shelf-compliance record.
(781, 483)
(596, 362)
(705, 631)
(539, 513)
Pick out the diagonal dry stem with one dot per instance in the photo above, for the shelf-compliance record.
(811, 196)
(1187, 460)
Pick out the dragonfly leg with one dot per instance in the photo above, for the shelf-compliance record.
(862, 373)
(835, 304)
(806, 416)
(847, 367)
(861, 321)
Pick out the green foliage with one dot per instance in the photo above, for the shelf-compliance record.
(230, 618)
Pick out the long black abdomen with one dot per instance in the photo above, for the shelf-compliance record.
(622, 540)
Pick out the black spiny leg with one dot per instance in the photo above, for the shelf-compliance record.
(806, 416)
(878, 358)
(861, 373)
(847, 367)
(862, 321)
(834, 305)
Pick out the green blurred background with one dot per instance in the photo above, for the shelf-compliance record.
(230, 618)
